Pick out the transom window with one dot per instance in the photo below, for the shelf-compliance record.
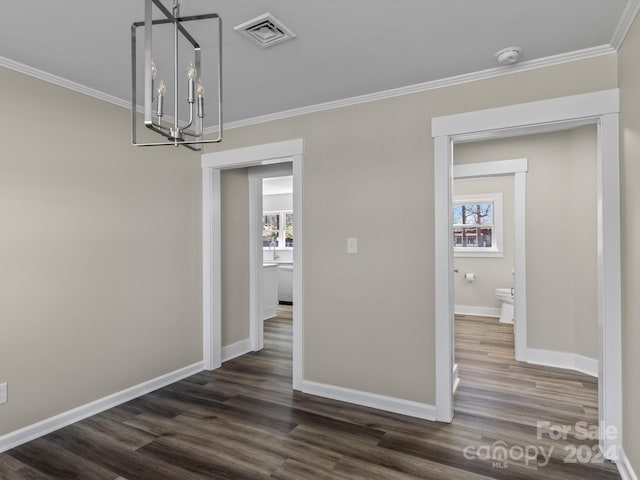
(277, 229)
(477, 225)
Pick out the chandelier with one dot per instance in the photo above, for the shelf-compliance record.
(174, 106)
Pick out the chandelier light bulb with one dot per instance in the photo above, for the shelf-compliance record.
(161, 89)
(153, 70)
(191, 71)
(200, 92)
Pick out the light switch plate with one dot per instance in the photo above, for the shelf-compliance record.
(3, 393)
(352, 245)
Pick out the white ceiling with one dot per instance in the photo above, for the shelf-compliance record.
(343, 48)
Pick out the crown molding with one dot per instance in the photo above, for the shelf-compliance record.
(62, 82)
(627, 18)
(346, 102)
(423, 87)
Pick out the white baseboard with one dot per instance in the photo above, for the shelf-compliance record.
(31, 432)
(456, 378)
(269, 312)
(624, 467)
(476, 311)
(586, 365)
(373, 400)
(571, 361)
(236, 349)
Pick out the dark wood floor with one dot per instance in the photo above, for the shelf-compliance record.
(244, 422)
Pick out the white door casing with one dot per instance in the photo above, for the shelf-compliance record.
(212, 163)
(600, 108)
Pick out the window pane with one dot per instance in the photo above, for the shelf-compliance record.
(288, 230)
(457, 215)
(473, 214)
(270, 229)
(470, 236)
(473, 237)
(486, 235)
(457, 237)
(486, 212)
(479, 218)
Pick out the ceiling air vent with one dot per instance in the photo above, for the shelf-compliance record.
(266, 30)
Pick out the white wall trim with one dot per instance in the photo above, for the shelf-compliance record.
(212, 164)
(476, 311)
(602, 107)
(426, 86)
(268, 313)
(629, 14)
(586, 105)
(237, 349)
(569, 361)
(298, 269)
(267, 154)
(31, 432)
(609, 279)
(444, 291)
(487, 169)
(520, 263)
(62, 82)
(474, 254)
(456, 378)
(624, 467)
(586, 365)
(211, 268)
(346, 102)
(256, 259)
(372, 400)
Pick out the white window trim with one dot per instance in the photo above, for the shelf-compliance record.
(496, 250)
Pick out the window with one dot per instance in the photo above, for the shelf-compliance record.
(277, 228)
(477, 225)
(270, 229)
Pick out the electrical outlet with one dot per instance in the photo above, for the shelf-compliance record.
(3, 393)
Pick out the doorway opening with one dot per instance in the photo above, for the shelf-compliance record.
(560, 260)
(498, 259)
(278, 242)
(599, 108)
(291, 152)
(273, 243)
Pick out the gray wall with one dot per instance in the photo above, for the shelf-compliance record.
(561, 237)
(234, 197)
(100, 248)
(369, 318)
(629, 73)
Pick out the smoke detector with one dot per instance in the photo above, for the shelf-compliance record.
(265, 30)
(508, 56)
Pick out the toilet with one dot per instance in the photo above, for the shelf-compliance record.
(505, 297)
